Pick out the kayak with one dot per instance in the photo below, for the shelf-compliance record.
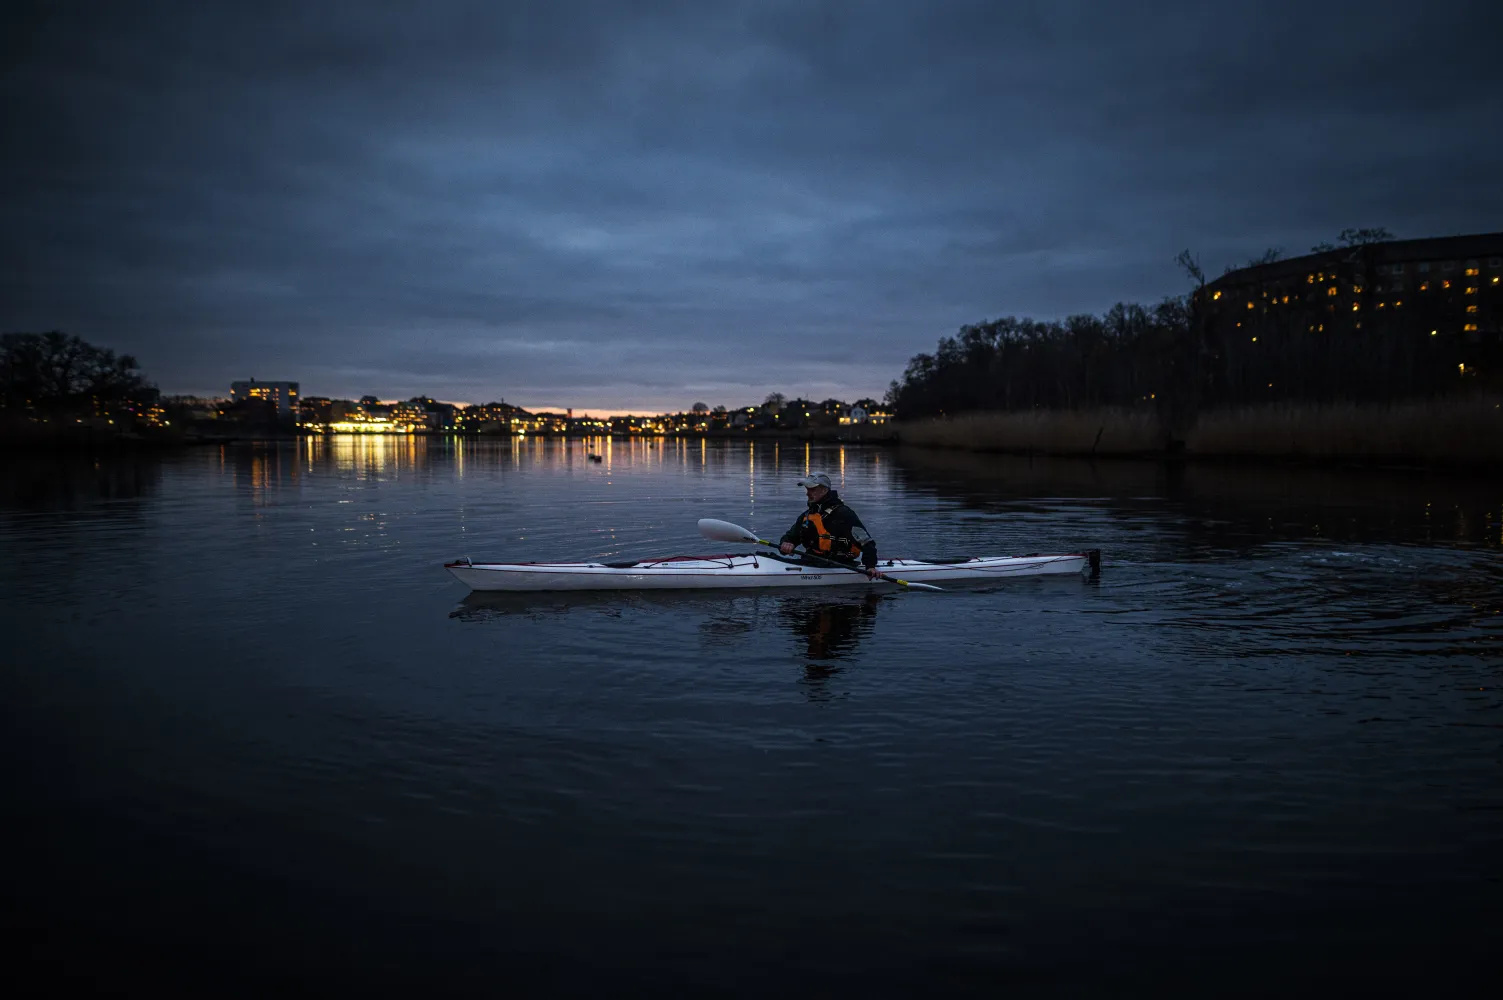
(752, 570)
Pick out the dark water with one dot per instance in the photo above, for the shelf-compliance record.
(257, 735)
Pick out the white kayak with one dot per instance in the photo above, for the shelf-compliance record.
(752, 570)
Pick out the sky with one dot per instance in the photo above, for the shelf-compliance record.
(618, 206)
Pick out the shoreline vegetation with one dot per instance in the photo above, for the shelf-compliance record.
(1451, 431)
(66, 437)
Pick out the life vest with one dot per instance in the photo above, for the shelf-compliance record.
(818, 539)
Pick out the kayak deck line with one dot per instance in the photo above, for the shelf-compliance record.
(737, 570)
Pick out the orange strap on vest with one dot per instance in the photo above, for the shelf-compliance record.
(824, 541)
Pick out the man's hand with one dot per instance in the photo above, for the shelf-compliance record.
(786, 548)
(873, 573)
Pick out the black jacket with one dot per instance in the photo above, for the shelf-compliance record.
(841, 522)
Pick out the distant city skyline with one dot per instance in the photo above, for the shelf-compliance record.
(590, 412)
(631, 207)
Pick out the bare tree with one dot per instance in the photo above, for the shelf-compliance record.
(1191, 266)
(1363, 237)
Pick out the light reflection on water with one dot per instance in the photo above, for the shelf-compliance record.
(1267, 735)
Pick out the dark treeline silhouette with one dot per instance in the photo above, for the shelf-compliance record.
(56, 373)
(1125, 357)
(1366, 321)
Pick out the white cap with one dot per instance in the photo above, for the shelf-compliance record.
(816, 479)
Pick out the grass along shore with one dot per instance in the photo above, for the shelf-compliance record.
(1465, 430)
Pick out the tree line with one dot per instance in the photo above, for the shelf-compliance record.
(1124, 357)
(59, 373)
(1189, 352)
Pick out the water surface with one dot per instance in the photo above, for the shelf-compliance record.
(258, 734)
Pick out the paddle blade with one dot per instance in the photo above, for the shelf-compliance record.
(725, 531)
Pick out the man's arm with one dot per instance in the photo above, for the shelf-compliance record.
(863, 538)
(793, 535)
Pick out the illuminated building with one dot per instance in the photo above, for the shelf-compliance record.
(1374, 321)
(282, 395)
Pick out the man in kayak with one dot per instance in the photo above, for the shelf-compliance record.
(830, 529)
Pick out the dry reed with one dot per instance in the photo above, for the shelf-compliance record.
(1043, 432)
(1458, 430)
(1465, 429)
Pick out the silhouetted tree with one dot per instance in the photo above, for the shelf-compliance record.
(62, 373)
(1354, 238)
(1191, 267)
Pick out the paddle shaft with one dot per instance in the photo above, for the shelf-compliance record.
(856, 569)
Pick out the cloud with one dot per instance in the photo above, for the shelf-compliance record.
(625, 205)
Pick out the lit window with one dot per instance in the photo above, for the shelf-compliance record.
(1398, 303)
(1321, 328)
(1310, 279)
(1470, 327)
(1249, 305)
(1255, 340)
(1461, 368)
(1356, 289)
(1286, 300)
(1471, 308)
(1333, 290)
(1495, 279)
(1472, 272)
(1446, 283)
(1424, 286)
(1356, 306)
(1381, 305)
(1471, 290)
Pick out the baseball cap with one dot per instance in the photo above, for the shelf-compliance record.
(815, 479)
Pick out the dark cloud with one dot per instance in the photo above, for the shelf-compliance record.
(628, 205)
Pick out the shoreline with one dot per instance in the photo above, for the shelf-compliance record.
(1453, 433)
(1450, 433)
(90, 441)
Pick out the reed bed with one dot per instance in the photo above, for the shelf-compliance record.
(1462, 430)
(1043, 432)
(1457, 430)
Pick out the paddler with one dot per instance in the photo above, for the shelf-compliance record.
(830, 529)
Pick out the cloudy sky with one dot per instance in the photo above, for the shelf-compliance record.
(632, 206)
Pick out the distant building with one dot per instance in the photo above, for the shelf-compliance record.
(1376, 321)
(282, 395)
(315, 411)
(492, 418)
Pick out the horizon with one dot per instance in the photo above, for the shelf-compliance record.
(641, 209)
(591, 414)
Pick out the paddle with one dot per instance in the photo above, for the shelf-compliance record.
(725, 531)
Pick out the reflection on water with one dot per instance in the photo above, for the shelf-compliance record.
(1218, 505)
(246, 703)
(53, 484)
(824, 627)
